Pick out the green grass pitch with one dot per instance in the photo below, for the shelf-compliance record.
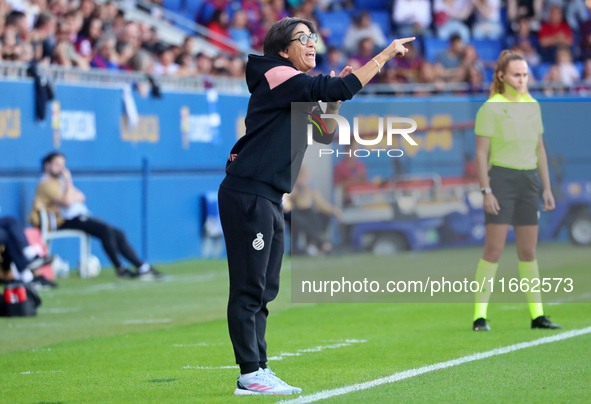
(105, 340)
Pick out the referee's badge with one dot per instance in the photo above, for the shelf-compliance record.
(258, 243)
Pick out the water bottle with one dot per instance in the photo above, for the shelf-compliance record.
(10, 295)
(21, 293)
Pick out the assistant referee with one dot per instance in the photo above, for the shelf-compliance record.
(509, 128)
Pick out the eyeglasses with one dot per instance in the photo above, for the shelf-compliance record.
(305, 38)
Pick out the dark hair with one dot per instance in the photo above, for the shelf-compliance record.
(278, 37)
(49, 158)
(13, 17)
(454, 37)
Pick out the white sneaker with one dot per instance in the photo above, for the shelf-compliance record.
(272, 375)
(261, 383)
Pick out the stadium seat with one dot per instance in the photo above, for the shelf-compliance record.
(174, 5)
(487, 49)
(382, 18)
(385, 5)
(47, 234)
(192, 8)
(580, 67)
(337, 22)
(488, 74)
(541, 70)
(433, 46)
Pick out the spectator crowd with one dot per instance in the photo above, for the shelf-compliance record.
(553, 35)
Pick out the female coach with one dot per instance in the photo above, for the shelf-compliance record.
(260, 170)
(509, 127)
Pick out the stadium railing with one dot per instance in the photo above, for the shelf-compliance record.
(73, 75)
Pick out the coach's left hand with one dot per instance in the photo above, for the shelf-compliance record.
(549, 203)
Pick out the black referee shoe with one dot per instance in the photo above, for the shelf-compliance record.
(543, 322)
(480, 325)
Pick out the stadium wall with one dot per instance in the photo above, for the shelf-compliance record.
(149, 180)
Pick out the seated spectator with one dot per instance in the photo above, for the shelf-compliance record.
(189, 45)
(575, 12)
(237, 67)
(554, 34)
(16, 249)
(532, 9)
(525, 41)
(152, 42)
(451, 17)
(204, 64)
(187, 65)
(450, 59)
(471, 60)
(252, 9)
(44, 33)
(57, 195)
(364, 52)
(91, 32)
(310, 215)
(412, 17)
(239, 32)
(75, 21)
(474, 78)
(430, 74)
(165, 65)
(106, 56)
(219, 25)
(128, 35)
(363, 27)
(585, 34)
(487, 23)
(64, 53)
(407, 67)
(569, 74)
(335, 61)
(552, 85)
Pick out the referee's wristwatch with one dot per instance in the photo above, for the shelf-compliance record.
(486, 191)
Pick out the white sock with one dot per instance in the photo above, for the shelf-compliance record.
(145, 267)
(27, 276)
(249, 375)
(29, 252)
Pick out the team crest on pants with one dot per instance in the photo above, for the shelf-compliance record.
(258, 243)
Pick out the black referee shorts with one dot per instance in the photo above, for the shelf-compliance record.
(518, 194)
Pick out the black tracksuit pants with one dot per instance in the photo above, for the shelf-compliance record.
(113, 240)
(254, 233)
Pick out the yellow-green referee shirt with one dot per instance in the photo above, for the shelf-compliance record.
(514, 129)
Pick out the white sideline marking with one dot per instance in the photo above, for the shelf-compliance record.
(57, 310)
(148, 321)
(210, 367)
(198, 344)
(30, 372)
(437, 366)
(570, 299)
(282, 355)
(347, 342)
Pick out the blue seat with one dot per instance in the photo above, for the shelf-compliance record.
(541, 70)
(488, 49)
(173, 5)
(433, 46)
(193, 7)
(338, 22)
(488, 74)
(382, 18)
(373, 5)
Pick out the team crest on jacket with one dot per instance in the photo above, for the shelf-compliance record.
(258, 243)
